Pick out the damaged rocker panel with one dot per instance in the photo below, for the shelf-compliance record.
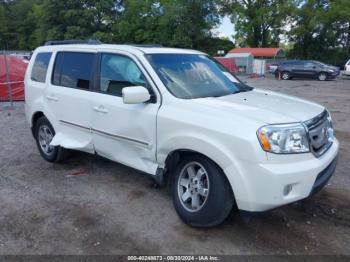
(92, 130)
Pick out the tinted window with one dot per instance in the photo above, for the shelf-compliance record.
(292, 63)
(118, 72)
(40, 67)
(73, 69)
(309, 65)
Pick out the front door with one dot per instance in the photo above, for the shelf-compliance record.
(310, 69)
(125, 133)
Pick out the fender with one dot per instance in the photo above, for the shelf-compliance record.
(215, 150)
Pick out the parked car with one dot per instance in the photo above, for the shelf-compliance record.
(228, 63)
(306, 69)
(178, 116)
(347, 69)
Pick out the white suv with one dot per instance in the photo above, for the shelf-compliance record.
(179, 116)
(347, 68)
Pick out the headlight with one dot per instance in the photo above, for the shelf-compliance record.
(284, 139)
(330, 130)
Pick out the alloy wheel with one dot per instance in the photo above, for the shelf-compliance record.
(45, 137)
(193, 186)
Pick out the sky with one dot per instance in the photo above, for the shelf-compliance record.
(225, 29)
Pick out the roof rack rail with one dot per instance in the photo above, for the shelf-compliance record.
(146, 45)
(71, 42)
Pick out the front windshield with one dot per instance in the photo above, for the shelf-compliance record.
(191, 76)
(320, 63)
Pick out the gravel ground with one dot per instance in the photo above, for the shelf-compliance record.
(89, 205)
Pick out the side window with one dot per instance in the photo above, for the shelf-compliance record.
(39, 69)
(309, 65)
(117, 72)
(73, 69)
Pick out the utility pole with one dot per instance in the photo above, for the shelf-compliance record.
(7, 72)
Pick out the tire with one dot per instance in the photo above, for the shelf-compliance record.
(211, 190)
(43, 133)
(322, 76)
(285, 76)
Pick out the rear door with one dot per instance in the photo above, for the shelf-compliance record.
(68, 97)
(298, 68)
(125, 133)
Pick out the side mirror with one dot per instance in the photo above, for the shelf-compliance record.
(135, 95)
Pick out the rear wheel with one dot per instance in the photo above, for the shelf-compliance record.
(322, 76)
(285, 75)
(202, 195)
(44, 134)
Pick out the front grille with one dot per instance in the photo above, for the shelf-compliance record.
(320, 133)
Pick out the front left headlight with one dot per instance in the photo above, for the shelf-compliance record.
(284, 139)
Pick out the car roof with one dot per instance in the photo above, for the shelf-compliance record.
(110, 47)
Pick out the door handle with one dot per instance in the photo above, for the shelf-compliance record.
(101, 109)
(52, 98)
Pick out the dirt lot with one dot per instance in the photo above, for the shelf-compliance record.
(90, 205)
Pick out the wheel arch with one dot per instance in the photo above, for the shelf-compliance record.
(175, 156)
(168, 156)
(169, 152)
(322, 72)
(34, 119)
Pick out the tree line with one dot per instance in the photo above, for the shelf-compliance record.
(308, 29)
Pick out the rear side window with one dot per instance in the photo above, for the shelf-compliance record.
(292, 63)
(40, 67)
(73, 69)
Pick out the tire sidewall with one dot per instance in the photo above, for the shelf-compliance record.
(287, 74)
(44, 121)
(215, 209)
(322, 74)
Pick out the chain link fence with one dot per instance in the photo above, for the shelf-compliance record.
(12, 69)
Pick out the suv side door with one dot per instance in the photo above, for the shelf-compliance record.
(297, 68)
(125, 133)
(310, 69)
(68, 97)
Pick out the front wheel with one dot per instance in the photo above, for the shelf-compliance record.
(285, 75)
(322, 76)
(201, 193)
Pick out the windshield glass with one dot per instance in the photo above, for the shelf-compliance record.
(320, 63)
(191, 76)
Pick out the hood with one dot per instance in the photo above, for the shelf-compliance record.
(264, 106)
(335, 68)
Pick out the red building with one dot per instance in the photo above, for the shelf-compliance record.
(261, 53)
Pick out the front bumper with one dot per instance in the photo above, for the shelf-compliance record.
(260, 187)
(332, 75)
(324, 176)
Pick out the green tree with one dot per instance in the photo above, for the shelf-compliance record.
(72, 19)
(258, 23)
(178, 23)
(14, 25)
(322, 30)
